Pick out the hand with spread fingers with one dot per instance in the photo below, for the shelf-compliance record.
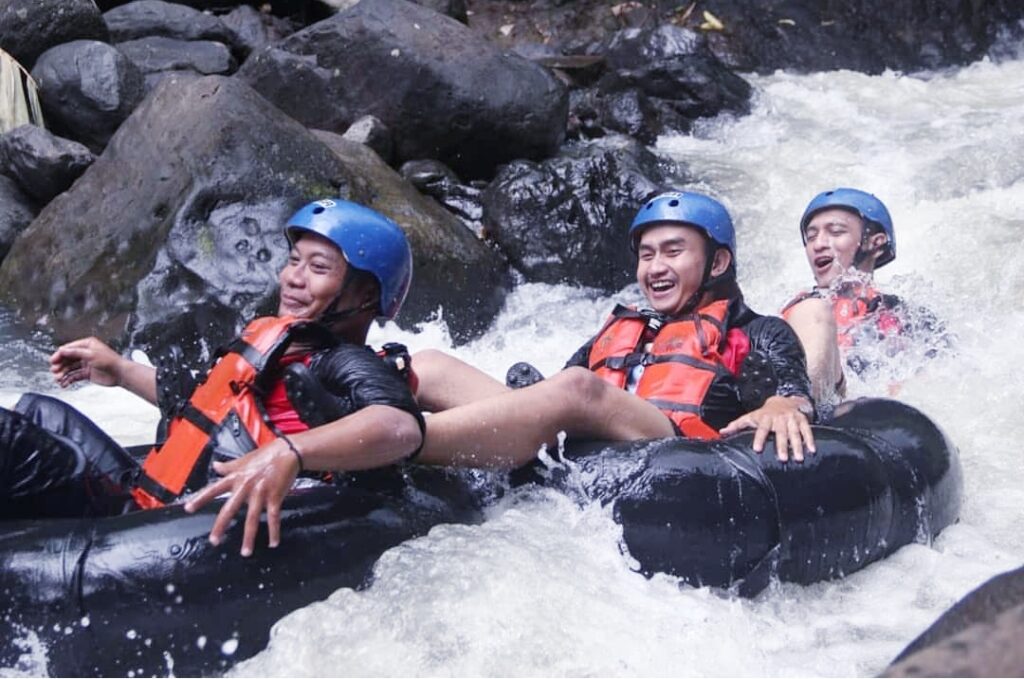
(86, 359)
(782, 416)
(260, 480)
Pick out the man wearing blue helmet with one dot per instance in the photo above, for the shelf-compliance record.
(698, 363)
(295, 393)
(847, 234)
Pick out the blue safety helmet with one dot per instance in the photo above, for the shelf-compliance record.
(861, 203)
(691, 209)
(368, 240)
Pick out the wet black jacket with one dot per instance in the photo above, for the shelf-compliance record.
(776, 366)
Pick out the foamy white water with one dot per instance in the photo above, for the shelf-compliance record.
(542, 588)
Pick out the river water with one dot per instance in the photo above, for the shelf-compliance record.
(541, 588)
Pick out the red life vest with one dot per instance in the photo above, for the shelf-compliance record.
(680, 364)
(225, 412)
(854, 304)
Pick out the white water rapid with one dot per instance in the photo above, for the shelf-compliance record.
(541, 587)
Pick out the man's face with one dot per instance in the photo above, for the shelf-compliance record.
(670, 267)
(311, 279)
(833, 238)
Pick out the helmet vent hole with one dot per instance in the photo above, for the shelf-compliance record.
(673, 203)
(317, 210)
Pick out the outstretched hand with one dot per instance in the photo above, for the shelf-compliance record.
(86, 359)
(261, 479)
(779, 415)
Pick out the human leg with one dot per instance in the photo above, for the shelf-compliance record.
(447, 382)
(71, 470)
(814, 324)
(506, 430)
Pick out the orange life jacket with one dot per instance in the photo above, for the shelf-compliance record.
(853, 304)
(679, 365)
(224, 414)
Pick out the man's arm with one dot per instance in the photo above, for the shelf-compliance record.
(788, 413)
(372, 437)
(91, 359)
(384, 427)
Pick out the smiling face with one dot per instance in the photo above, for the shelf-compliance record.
(670, 267)
(311, 279)
(833, 238)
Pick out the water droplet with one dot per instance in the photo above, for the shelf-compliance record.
(131, 634)
(229, 647)
(201, 643)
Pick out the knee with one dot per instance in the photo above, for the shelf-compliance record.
(430, 362)
(579, 386)
(812, 312)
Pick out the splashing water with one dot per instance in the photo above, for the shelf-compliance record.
(543, 587)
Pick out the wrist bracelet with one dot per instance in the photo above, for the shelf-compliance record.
(298, 455)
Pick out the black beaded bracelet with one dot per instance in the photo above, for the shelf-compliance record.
(298, 455)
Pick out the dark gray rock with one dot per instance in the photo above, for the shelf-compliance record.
(443, 91)
(174, 233)
(373, 133)
(635, 47)
(692, 85)
(16, 212)
(255, 30)
(454, 271)
(144, 18)
(989, 648)
(156, 53)
(435, 179)
(43, 164)
(456, 9)
(87, 89)
(958, 643)
(30, 27)
(565, 220)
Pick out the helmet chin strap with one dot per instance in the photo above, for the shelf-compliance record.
(331, 317)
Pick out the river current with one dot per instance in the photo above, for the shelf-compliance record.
(542, 588)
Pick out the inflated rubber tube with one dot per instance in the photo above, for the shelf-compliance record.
(720, 515)
(146, 594)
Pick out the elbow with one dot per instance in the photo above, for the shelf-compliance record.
(401, 431)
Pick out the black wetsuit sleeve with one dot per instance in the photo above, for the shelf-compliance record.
(773, 337)
(582, 356)
(359, 378)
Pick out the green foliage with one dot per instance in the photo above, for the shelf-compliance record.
(19, 102)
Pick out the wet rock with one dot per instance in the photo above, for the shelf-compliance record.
(16, 212)
(373, 133)
(174, 233)
(565, 220)
(978, 637)
(144, 18)
(454, 271)
(635, 48)
(435, 179)
(155, 54)
(87, 89)
(43, 164)
(443, 91)
(30, 27)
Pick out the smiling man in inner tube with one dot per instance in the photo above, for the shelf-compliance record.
(297, 393)
(847, 235)
(698, 363)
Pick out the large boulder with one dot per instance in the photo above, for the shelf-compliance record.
(144, 18)
(978, 637)
(454, 271)
(42, 163)
(87, 89)
(156, 53)
(443, 91)
(16, 212)
(565, 220)
(174, 233)
(253, 29)
(30, 27)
